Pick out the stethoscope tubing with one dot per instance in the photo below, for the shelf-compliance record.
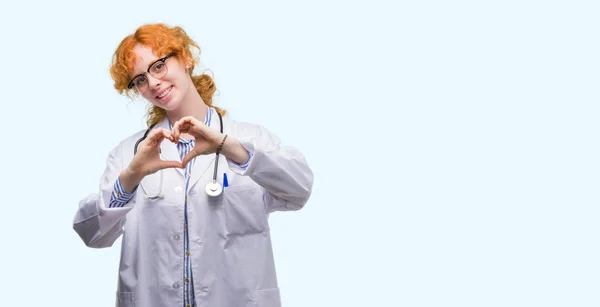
(212, 189)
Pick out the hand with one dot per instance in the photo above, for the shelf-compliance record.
(147, 159)
(207, 139)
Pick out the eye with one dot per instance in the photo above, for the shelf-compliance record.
(159, 66)
(139, 80)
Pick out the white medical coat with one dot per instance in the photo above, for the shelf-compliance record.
(229, 236)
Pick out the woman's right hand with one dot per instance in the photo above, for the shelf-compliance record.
(147, 159)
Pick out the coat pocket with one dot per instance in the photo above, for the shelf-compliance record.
(268, 298)
(125, 299)
(244, 211)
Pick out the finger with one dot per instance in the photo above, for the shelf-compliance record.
(175, 131)
(152, 134)
(168, 135)
(191, 155)
(151, 139)
(178, 126)
(157, 136)
(187, 124)
(162, 134)
(187, 119)
(179, 129)
(169, 164)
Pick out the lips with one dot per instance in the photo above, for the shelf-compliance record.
(164, 92)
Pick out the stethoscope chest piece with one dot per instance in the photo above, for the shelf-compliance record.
(214, 189)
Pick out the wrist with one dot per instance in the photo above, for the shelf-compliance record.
(133, 173)
(233, 150)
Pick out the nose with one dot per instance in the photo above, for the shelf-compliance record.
(152, 82)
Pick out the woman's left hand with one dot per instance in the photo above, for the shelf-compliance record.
(207, 139)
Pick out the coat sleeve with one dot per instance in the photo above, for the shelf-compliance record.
(282, 171)
(96, 224)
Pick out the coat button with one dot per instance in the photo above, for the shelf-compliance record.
(176, 285)
(178, 190)
(176, 237)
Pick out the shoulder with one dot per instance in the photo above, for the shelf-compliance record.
(134, 138)
(242, 129)
(127, 144)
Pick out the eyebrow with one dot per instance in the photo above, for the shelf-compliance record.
(145, 71)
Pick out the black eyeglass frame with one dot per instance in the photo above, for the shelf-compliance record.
(163, 59)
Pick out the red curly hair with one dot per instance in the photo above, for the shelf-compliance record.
(162, 39)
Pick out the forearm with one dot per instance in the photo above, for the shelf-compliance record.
(233, 150)
(282, 171)
(285, 175)
(97, 222)
(130, 179)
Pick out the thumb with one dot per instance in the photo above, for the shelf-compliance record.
(169, 164)
(191, 155)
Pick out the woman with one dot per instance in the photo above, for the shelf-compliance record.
(187, 241)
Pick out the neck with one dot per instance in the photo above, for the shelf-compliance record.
(192, 106)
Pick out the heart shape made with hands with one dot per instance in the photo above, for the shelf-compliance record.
(207, 140)
(148, 161)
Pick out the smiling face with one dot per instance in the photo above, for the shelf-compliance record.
(168, 91)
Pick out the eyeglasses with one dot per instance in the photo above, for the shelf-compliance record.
(156, 70)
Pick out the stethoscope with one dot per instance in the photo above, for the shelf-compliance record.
(213, 188)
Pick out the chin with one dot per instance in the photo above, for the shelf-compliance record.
(171, 104)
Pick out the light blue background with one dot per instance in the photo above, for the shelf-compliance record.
(454, 144)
